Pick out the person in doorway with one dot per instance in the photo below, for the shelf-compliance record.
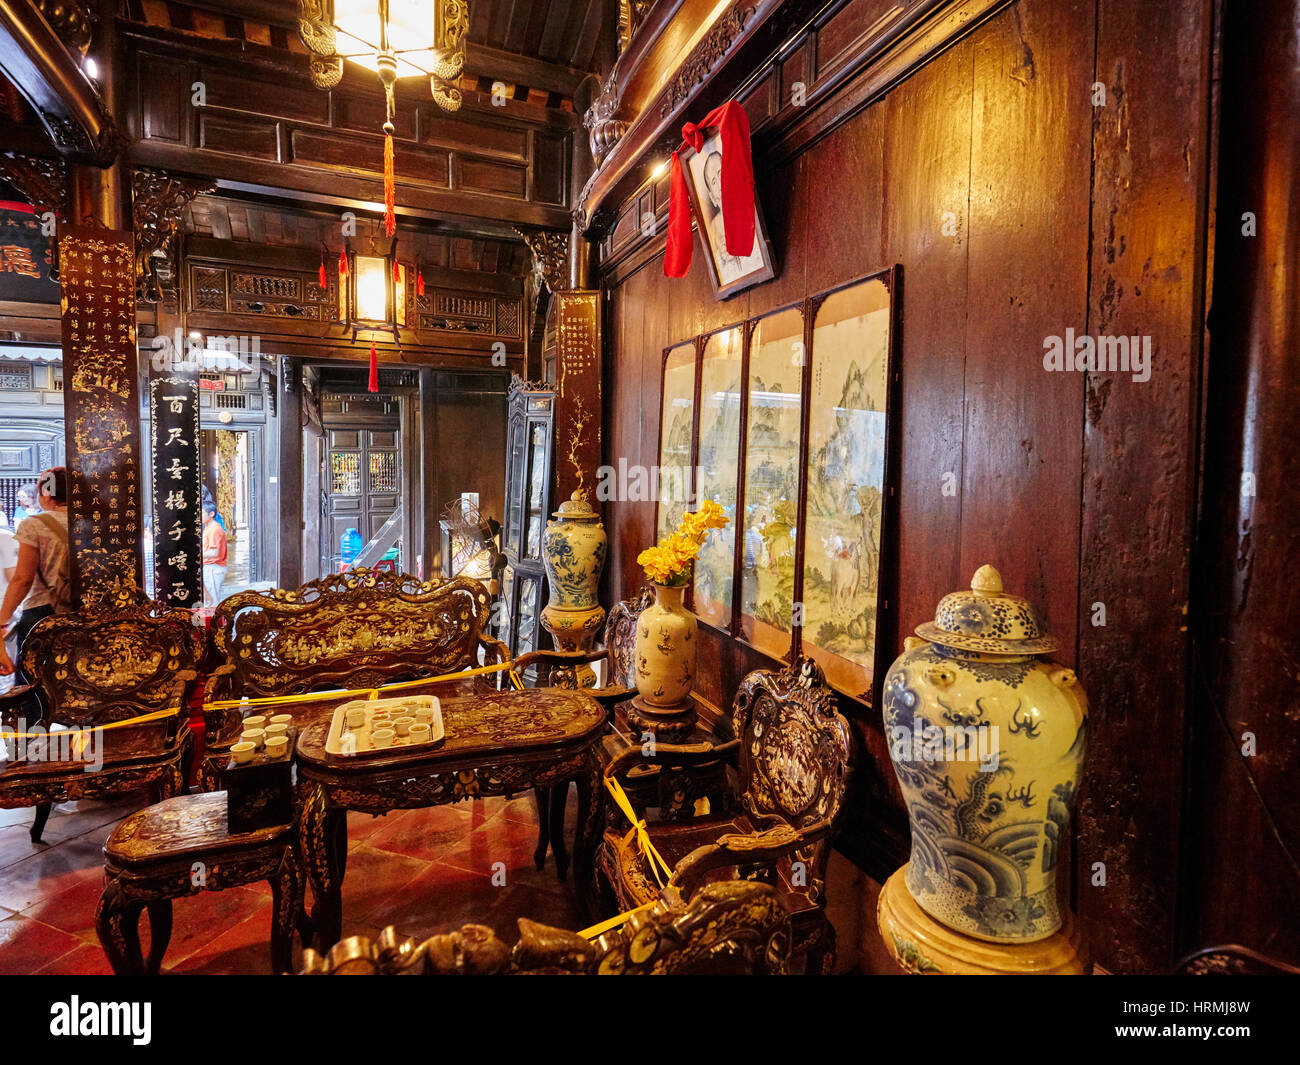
(26, 507)
(208, 501)
(214, 556)
(40, 585)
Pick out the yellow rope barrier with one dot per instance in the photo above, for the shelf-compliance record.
(647, 848)
(79, 746)
(343, 693)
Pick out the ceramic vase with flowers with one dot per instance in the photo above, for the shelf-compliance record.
(665, 634)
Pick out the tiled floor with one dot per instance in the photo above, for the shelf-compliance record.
(424, 871)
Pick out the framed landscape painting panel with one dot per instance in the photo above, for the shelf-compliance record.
(676, 437)
(729, 273)
(848, 433)
(721, 367)
(770, 527)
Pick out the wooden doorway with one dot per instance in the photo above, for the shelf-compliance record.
(363, 472)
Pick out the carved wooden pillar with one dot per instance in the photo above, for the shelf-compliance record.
(101, 396)
(158, 203)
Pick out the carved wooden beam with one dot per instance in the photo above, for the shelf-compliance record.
(43, 61)
(158, 200)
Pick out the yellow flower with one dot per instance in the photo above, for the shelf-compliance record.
(669, 561)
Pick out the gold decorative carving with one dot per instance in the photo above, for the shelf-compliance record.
(550, 257)
(707, 55)
(158, 200)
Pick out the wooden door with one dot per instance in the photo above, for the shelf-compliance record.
(363, 484)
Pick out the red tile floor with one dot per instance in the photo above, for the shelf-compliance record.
(425, 871)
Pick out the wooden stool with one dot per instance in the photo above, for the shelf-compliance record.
(922, 946)
(180, 847)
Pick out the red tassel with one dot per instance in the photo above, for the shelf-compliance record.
(419, 283)
(343, 264)
(324, 277)
(397, 272)
(390, 218)
(374, 369)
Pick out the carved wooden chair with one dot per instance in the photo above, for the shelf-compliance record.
(560, 669)
(734, 928)
(358, 629)
(119, 660)
(794, 755)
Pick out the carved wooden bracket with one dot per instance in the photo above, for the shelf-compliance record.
(42, 182)
(550, 256)
(73, 22)
(604, 127)
(158, 200)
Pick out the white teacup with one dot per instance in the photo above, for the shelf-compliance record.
(255, 721)
(403, 725)
(420, 732)
(276, 730)
(255, 736)
(277, 745)
(355, 716)
(424, 714)
(282, 719)
(382, 737)
(243, 751)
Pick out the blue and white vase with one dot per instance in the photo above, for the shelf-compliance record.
(573, 551)
(987, 739)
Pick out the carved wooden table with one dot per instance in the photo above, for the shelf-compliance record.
(180, 847)
(497, 743)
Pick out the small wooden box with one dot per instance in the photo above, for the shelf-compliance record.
(259, 793)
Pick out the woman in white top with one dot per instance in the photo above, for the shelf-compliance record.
(40, 585)
(8, 560)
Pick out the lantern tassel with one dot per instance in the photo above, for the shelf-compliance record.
(323, 277)
(390, 217)
(374, 369)
(419, 283)
(343, 263)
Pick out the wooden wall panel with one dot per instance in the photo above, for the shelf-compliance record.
(976, 174)
(1031, 122)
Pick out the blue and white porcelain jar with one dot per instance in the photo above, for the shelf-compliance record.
(987, 739)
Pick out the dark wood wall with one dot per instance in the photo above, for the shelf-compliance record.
(1060, 213)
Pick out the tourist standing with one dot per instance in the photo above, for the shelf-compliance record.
(214, 556)
(40, 585)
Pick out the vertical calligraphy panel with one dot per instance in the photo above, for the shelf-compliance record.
(577, 404)
(102, 404)
(177, 498)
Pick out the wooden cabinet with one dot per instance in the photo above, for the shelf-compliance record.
(530, 461)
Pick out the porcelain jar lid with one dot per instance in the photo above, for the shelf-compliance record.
(987, 620)
(576, 508)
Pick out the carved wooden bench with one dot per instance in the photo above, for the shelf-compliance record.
(358, 629)
(107, 664)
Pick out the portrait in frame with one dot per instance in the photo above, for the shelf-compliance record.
(729, 273)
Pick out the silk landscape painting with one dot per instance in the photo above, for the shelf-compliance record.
(676, 435)
(848, 430)
(771, 526)
(719, 465)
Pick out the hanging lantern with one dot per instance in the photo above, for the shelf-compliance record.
(372, 292)
(395, 39)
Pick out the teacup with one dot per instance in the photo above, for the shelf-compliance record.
(403, 725)
(382, 737)
(255, 721)
(420, 732)
(282, 719)
(276, 745)
(276, 730)
(424, 714)
(255, 736)
(243, 751)
(355, 716)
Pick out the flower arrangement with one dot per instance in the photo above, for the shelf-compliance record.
(669, 561)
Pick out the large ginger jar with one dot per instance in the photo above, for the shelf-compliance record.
(665, 650)
(987, 739)
(573, 551)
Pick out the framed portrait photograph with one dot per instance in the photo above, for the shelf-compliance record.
(730, 274)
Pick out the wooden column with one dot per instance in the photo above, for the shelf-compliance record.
(102, 405)
(289, 475)
(577, 402)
